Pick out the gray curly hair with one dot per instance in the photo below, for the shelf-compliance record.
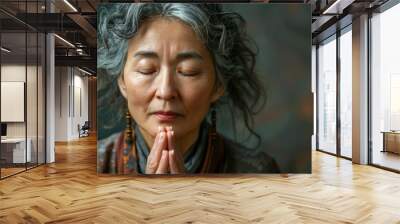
(223, 33)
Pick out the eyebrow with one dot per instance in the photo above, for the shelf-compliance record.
(145, 54)
(180, 57)
(189, 55)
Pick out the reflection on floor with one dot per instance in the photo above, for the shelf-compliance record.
(70, 191)
(386, 159)
(10, 169)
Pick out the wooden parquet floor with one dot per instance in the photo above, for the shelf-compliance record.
(69, 191)
(10, 171)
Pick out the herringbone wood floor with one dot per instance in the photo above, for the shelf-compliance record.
(70, 191)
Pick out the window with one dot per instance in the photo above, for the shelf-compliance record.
(385, 88)
(346, 92)
(23, 76)
(327, 95)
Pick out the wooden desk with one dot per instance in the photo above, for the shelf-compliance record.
(13, 150)
(391, 141)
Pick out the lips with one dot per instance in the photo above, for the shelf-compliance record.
(166, 116)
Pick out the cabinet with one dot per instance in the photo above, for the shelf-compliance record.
(391, 142)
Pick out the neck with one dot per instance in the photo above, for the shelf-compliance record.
(182, 143)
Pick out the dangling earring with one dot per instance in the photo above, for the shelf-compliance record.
(213, 123)
(128, 128)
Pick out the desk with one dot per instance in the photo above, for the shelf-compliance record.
(13, 150)
(391, 141)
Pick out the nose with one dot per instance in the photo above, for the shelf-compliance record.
(166, 89)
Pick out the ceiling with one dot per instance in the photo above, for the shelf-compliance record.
(75, 21)
(332, 15)
(76, 25)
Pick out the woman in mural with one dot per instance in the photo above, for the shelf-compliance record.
(175, 64)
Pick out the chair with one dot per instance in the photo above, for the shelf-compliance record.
(84, 130)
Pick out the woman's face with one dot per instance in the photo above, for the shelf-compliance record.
(168, 78)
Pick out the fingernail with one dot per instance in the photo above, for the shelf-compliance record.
(161, 137)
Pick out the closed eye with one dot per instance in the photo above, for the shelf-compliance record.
(146, 71)
(189, 73)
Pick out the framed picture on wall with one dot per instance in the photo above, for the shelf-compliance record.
(204, 88)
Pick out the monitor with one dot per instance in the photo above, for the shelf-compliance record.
(3, 129)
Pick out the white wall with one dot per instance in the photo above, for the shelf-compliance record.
(71, 94)
(80, 110)
(61, 103)
(13, 73)
(33, 127)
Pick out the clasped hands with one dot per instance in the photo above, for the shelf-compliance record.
(164, 157)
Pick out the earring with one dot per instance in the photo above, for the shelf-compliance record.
(213, 123)
(128, 128)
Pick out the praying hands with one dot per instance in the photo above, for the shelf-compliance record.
(164, 157)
